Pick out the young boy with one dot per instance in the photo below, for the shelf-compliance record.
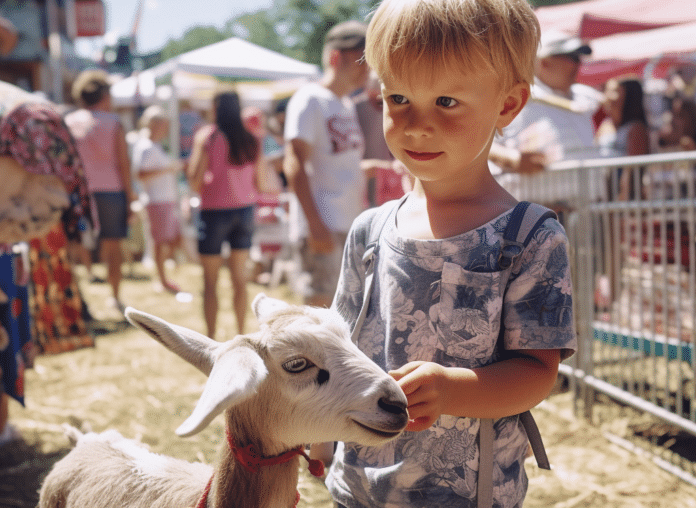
(454, 72)
(159, 174)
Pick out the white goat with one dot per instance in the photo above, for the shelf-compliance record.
(298, 380)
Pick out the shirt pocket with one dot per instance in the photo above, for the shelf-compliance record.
(469, 314)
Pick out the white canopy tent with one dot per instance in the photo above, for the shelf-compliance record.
(236, 57)
(232, 57)
(137, 89)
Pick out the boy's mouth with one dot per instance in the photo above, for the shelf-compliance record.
(423, 156)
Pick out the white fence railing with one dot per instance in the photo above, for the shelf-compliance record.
(631, 222)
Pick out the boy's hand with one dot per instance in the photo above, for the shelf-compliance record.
(424, 386)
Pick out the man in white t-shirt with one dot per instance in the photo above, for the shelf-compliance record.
(158, 175)
(324, 147)
(556, 124)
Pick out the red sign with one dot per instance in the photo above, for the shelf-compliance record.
(89, 18)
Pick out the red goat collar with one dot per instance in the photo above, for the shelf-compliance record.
(252, 461)
(249, 458)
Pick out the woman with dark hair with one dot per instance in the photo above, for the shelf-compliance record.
(227, 169)
(624, 107)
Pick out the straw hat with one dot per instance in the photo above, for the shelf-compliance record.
(90, 83)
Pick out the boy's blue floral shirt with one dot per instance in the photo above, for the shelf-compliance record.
(442, 301)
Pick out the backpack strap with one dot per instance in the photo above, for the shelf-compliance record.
(371, 247)
(525, 219)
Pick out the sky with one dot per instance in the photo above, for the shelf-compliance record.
(165, 19)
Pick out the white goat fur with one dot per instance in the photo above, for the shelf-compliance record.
(335, 393)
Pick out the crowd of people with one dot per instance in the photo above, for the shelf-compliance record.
(490, 102)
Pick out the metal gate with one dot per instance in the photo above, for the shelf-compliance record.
(631, 223)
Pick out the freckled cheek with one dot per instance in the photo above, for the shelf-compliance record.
(471, 133)
(391, 130)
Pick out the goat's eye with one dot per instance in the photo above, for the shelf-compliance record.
(297, 365)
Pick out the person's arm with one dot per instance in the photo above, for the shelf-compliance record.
(124, 165)
(266, 179)
(148, 174)
(198, 162)
(501, 389)
(531, 351)
(153, 162)
(8, 36)
(297, 153)
(513, 161)
(637, 144)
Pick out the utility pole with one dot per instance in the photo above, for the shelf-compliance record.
(55, 50)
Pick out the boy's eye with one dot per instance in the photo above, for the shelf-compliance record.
(398, 99)
(446, 102)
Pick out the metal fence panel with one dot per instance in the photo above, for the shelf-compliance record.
(631, 223)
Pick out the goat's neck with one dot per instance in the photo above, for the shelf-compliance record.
(271, 487)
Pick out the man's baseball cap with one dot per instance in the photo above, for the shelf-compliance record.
(346, 35)
(560, 43)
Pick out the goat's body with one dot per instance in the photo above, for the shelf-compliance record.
(298, 380)
(106, 470)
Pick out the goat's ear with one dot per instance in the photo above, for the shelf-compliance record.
(194, 347)
(264, 306)
(235, 377)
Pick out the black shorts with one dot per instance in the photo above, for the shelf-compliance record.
(235, 226)
(112, 209)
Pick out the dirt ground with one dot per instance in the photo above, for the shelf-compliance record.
(128, 382)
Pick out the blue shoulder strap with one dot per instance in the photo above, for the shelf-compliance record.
(371, 247)
(525, 219)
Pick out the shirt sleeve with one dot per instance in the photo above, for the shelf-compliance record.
(301, 118)
(538, 306)
(152, 158)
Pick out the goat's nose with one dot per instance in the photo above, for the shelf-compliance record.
(396, 407)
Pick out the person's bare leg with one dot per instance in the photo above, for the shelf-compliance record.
(211, 268)
(4, 410)
(113, 257)
(162, 252)
(238, 273)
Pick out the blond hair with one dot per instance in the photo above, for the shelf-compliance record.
(152, 114)
(502, 35)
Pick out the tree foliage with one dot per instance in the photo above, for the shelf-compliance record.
(195, 38)
(295, 28)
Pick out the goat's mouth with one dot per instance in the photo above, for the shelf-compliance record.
(381, 433)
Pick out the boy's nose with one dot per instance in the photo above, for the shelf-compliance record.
(417, 125)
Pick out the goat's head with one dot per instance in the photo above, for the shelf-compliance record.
(300, 375)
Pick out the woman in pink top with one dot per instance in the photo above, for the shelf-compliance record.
(101, 143)
(226, 168)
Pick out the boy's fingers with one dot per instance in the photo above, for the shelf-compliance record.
(418, 424)
(404, 370)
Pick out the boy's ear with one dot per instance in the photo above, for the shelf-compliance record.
(513, 102)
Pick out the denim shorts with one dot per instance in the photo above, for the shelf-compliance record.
(112, 209)
(235, 226)
(322, 270)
